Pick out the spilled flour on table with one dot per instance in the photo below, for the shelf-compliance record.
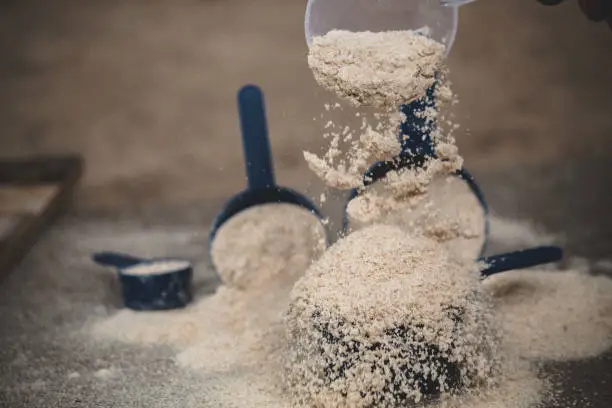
(237, 337)
(552, 314)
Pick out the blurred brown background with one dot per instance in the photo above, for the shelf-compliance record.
(145, 90)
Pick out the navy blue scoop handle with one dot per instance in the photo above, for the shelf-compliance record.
(116, 259)
(255, 144)
(526, 258)
(417, 126)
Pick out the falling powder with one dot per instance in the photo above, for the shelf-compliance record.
(267, 241)
(343, 169)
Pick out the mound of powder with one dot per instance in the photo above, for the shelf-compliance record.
(440, 207)
(382, 319)
(552, 314)
(375, 68)
(267, 242)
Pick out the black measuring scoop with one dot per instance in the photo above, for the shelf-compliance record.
(262, 188)
(150, 284)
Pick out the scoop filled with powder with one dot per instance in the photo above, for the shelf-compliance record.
(266, 243)
(266, 230)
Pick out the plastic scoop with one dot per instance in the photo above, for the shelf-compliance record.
(526, 258)
(436, 19)
(261, 188)
(150, 284)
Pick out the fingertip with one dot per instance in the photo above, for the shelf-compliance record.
(550, 2)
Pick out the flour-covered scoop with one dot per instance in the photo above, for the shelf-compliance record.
(262, 188)
(436, 19)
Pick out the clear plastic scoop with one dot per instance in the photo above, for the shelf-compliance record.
(436, 19)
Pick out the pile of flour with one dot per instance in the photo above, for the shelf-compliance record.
(384, 319)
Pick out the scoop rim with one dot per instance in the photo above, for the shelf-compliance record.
(187, 265)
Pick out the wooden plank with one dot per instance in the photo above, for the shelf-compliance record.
(33, 193)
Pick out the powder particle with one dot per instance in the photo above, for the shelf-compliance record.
(378, 69)
(267, 242)
(156, 268)
(383, 318)
(554, 315)
(440, 207)
(38, 385)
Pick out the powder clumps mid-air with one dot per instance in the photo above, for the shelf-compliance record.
(381, 70)
(376, 139)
